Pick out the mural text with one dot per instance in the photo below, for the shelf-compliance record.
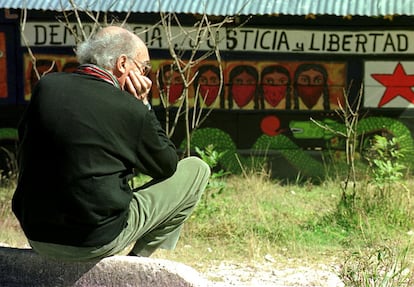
(248, 39)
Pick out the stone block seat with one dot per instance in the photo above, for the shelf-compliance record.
(24, 268)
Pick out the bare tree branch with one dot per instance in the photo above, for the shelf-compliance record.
(33, 59)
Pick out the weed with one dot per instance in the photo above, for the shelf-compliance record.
(8, 168)
(215, 185)
(384, 266)
(8, 180)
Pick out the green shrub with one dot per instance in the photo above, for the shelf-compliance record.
(386, 161)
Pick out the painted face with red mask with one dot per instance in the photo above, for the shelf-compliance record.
(209, 87)
(310, 85)
(274, 87)
(173, 86)
(243, 88)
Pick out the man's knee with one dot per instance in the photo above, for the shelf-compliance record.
(198, 172)
(196, 164)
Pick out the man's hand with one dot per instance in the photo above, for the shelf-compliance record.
(138, 85)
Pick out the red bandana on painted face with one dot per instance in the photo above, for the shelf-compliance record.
(209, 93)
(243, 94)
(310, 94)
(174, 92)
(274, 94)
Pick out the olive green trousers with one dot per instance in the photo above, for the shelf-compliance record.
(156, 215)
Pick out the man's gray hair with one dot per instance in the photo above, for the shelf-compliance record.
(103, 49)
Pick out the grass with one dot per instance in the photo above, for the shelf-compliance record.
(11, 232)
(254, 216)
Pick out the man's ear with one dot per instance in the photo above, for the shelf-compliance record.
(120, 65)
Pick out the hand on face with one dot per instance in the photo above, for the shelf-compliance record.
(138, 85)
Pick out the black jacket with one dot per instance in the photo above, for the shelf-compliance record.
(80, 139)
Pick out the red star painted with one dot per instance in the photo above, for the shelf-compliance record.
(397, 84)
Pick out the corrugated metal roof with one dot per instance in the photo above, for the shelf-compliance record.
(229, 7)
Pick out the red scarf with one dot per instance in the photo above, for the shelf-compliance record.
(93, 70)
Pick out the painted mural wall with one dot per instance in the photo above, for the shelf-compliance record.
(3, 66)
(267, 100)
(260, 85)
(389, 84)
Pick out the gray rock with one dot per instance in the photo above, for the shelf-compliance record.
(25, 268)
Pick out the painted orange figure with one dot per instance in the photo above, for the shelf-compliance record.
(310, 84)
(170, 82)
(207, 82)
(275, 85)
(243, 86)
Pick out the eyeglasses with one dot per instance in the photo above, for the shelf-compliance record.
(144, 67)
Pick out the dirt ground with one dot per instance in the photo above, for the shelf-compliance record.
(269, 274)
